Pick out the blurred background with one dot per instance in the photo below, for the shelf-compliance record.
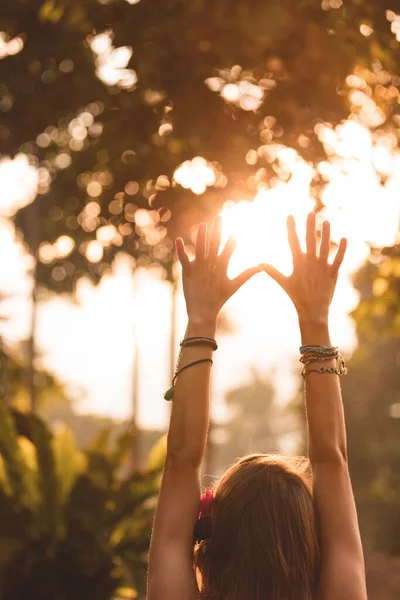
(124, 123)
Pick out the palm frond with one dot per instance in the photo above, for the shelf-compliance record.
(15, 469)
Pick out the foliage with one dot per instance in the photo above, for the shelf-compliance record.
(372, 403)
(71, 527)
(229, 81)
(13, 381)
(379, 286)
(86, 426)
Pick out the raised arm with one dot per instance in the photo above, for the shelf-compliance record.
(206, 288)
(311, 288)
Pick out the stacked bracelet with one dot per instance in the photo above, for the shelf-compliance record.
(193, 341)
(312, 354)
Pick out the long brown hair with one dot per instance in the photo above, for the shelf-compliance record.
(265, 539)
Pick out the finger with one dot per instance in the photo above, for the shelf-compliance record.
(339, 255)
(325, 242)
(276, 275)
(182, 255)
(226, 253)
(293, 238)
(244, 277)
(215, 241)
(201, 244)
(311, 238)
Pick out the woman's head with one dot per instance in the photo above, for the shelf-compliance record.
(265, 542)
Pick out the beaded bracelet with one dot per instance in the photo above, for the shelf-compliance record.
(321, 370)
(306, 360)
(319, 349)
(336, 370)
(340, 368)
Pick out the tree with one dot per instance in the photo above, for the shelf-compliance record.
(230, 82)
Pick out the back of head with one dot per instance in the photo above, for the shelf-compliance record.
(265, 543)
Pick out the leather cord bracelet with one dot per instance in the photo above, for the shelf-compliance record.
(199, 341)
(169, 394)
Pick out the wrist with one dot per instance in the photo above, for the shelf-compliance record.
(202, 327)
(313, 321)
(313, 316)
(315, 332)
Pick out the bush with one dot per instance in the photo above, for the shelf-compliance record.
(71, 526)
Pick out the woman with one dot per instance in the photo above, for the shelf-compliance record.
(267, 531)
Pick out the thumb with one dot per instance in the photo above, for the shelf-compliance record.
(245, 276)
(276, 275)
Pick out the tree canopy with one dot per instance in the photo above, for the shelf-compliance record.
(109, 97)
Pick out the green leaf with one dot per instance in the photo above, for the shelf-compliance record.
(70, 463)
(4, 482)
(157, 454)
(125, 593)
(49, 11)
(15, 521)
(87, 502)
(49, 514)
(32, 483)
(123, 448)
(101, 468)
(101, 441)
(14, 465)
(9, 546)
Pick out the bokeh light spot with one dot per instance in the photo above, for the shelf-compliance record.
(94, 251)
(196, 175)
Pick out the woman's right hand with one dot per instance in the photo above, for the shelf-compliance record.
(312, 283)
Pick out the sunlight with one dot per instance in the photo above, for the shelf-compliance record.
(356, 202)
(196, 175)
(111, 62)
(260, 226)
(19, 184)
(9, 47)
(240, 88)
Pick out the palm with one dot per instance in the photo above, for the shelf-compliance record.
(206, 283)
(312, 283)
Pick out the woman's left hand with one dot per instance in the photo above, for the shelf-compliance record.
(205, 280)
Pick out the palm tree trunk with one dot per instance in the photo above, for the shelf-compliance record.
(32, 390)
(4, 395)
(33, 221)
(135, 453)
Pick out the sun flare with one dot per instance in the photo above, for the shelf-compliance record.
(358, 206)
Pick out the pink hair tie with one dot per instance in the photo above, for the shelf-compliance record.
(203, 527)
(206, 501)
